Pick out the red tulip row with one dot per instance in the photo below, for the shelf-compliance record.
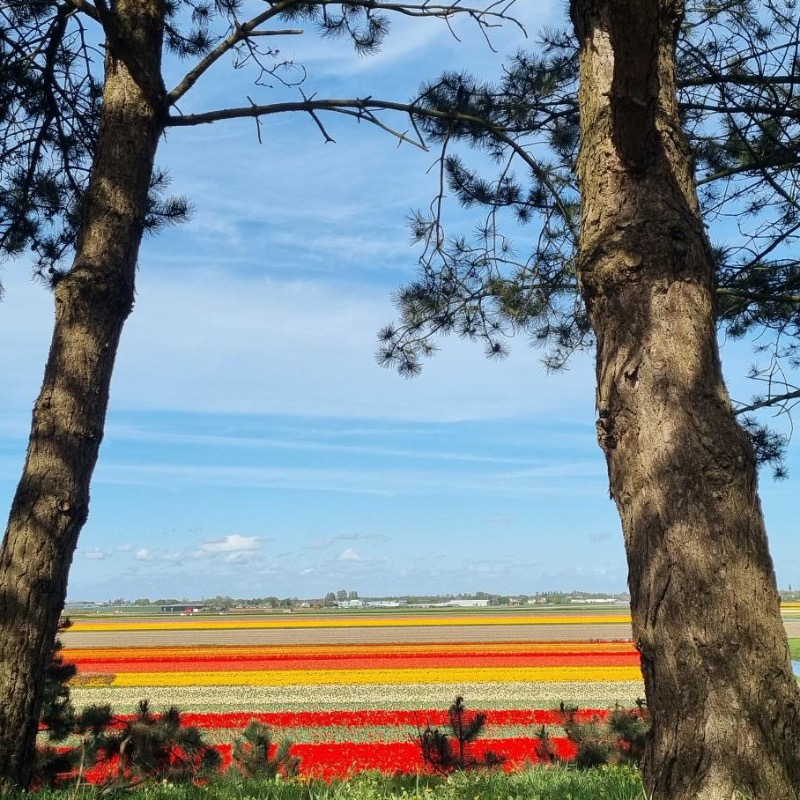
(339, 760)
(277, 720)
(233, 664)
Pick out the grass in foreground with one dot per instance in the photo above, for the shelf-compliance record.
(794, 647)
(550, 783)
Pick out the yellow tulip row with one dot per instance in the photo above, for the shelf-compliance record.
(366, 677)
(202, 623)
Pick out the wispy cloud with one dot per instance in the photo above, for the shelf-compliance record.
(96, 554)
(545, 481)
(233, 546)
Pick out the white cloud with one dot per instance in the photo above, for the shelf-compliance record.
(233, 545)
(360, 536)
(238, 556)
(143, 554)
(96, 554)
(350, 555)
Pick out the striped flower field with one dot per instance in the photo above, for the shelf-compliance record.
(352, 706)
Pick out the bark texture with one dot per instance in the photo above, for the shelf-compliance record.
(706, 615)
(91, 304)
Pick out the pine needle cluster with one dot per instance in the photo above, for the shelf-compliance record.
(446, 751)
(619, 740)
(252, 754)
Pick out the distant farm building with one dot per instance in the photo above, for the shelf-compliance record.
(183, 608)
(467, 603)
(350, 604)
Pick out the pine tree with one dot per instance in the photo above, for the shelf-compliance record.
(737, 83)
(445, 751)
(252, 756)
(79, 131)
(622, 260)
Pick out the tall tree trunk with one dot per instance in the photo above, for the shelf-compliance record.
(92, 301)
(706, 616)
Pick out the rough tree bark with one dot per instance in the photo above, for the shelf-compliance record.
(91, 304)
(706, 618)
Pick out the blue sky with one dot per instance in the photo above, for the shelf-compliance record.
(254, 447)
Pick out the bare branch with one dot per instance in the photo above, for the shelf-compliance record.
(85, 7)
(759, 298)
(492, 16)
(328, 138)
(364, 108)
(769, 401)
(239, 34)
(284, 32)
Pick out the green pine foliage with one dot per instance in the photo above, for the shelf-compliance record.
(147, 747)
(56, 764)
(515, 272)
(157, 746)
(251, 754)
(451, 750)
(619, 740)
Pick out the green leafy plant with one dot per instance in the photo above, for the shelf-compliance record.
(251, 754)
(448, 751)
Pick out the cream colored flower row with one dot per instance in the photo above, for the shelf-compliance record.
(384, 696)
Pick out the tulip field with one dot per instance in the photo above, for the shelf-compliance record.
(351, 692)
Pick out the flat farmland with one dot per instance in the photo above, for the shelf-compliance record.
(350, 690)
(560, 625)
(305, 628)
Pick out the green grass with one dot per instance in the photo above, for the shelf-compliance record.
(794, 647)
(553, 783)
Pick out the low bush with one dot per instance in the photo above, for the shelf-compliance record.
(445, 751)
(619, 739)
(251, 755)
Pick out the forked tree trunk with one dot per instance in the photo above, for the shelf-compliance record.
(706, 617)
(91, 304)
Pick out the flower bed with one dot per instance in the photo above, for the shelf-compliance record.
(353, 707)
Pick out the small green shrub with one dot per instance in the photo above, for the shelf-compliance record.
(251, 754)
(619, 740)
(153, 746)
(448, 751)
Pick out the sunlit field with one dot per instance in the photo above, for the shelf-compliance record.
(351, 691)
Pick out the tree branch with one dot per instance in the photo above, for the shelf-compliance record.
(363, 108)
(85, 7)
(715, 79)
(759, 298)
(238, 35)
(769, 401)
(496, 12)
